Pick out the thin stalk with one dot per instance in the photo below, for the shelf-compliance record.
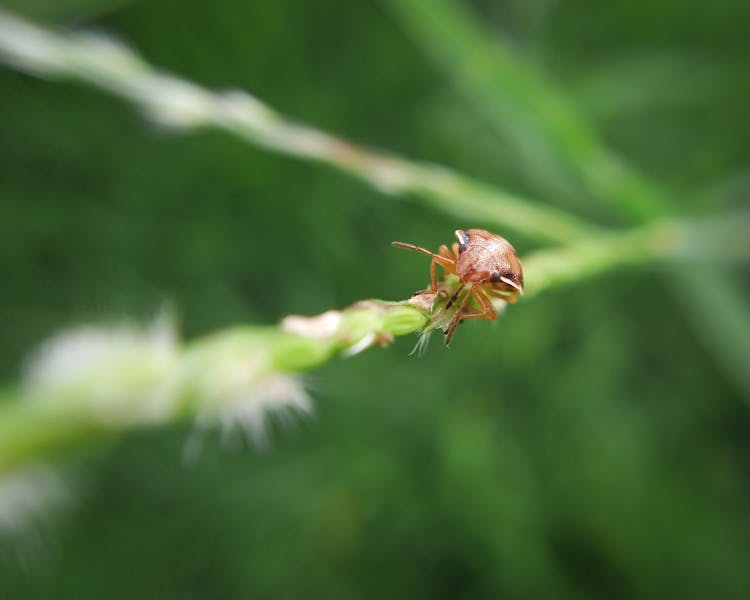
(233, 377)
(92, 384)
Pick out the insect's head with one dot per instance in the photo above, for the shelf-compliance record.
(507, 280)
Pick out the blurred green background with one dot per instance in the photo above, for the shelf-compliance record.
(586, 445)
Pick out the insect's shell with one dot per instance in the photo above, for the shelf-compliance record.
(488, 259)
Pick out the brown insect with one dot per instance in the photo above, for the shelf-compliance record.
(487, 267)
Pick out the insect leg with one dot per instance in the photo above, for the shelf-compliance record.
(488, 310)
(455, 296)
(437, 259)
(446, 262)
(446, 253)
(457, 318)
(510, 298)
(456, 253)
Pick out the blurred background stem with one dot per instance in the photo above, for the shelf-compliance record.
(174, 102)
(171, 101)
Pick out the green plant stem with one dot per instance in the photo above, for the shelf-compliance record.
(38, 427)
(30, 433)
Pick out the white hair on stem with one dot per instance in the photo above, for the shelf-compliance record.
(30, 498)
(116, 375)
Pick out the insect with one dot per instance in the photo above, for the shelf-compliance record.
(487, 267)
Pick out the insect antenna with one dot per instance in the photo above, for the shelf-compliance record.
(406, 246)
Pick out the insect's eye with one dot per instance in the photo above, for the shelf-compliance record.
(496, 275)
(463, 240)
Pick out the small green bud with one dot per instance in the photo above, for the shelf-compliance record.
(404, 319)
